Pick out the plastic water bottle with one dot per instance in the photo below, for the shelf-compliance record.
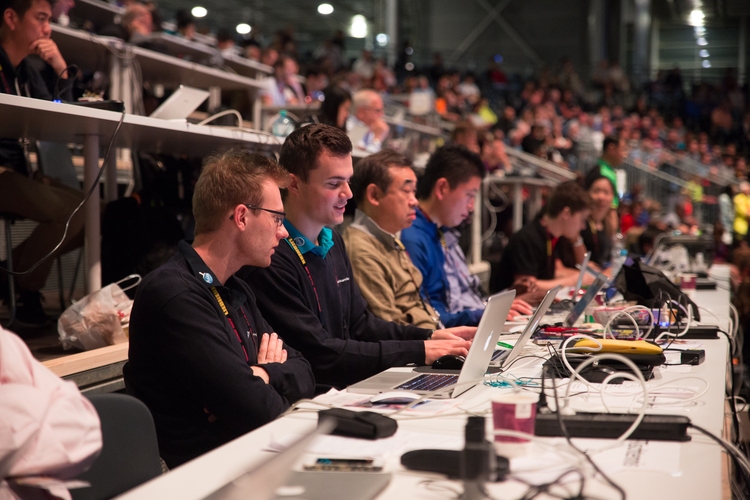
(283, 125)
(618, 256)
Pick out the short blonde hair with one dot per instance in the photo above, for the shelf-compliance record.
(229, 179)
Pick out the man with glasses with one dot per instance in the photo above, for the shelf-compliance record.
(308, 293)
(367, 129)
(202, 358)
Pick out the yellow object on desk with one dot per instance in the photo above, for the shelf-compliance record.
(619, 346)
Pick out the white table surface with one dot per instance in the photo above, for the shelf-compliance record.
(700, 462)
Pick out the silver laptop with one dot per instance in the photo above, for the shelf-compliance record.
(444, 385)
(180, 104)
(262, 481)
(504, 357)
(582, 304)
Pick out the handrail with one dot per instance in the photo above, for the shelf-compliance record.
(545, 168)
(692, 166)
(656, 173)
(425, 129)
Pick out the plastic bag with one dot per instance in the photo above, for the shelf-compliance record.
(97, 319)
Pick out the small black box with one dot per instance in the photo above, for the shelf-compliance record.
(692, 356)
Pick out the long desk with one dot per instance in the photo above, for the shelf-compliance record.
(700, 460)
(35, 119)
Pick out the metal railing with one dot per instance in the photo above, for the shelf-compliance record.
(530, 165)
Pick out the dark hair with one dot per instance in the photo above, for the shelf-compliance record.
(19, 7)
(335, 96)
(224, 35)
(609, 140)
(454, 163)
(568, 194)
(183, 18)
(374, 170)
(228, 179)
(301, 150)
(462, 128)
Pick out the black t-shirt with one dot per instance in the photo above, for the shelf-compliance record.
(528, 254)
(598, 243)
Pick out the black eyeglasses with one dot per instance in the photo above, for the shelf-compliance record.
(278, 217)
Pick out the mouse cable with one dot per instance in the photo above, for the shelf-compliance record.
(564, 429)
(94, 187)
(57, 92)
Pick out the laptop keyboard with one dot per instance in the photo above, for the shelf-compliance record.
(428, 382)
(500, 355)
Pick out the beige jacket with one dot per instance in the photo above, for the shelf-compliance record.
(386, 276)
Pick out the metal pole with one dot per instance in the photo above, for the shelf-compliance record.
(741, 62)
(91, 212)
(640, 40)
(391, 29)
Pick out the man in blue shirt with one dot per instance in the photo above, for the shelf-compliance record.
(446, 193)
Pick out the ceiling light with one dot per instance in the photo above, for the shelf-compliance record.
(702, 42)
(409, 66)
(325, 9)
(382, 39)
(706, 63)
(409, 51)
(199, 11)
(359, 26)
(243, 28)
(704, 53)
(696, 18)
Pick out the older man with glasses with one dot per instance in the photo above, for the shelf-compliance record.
(202, 358)
(367, 129)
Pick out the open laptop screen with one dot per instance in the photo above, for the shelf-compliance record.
(582, 304)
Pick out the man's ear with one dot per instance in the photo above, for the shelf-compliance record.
(373, 195)
(442, 187)
(294, 183)
(10, 18)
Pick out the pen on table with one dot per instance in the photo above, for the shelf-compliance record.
(503, 344)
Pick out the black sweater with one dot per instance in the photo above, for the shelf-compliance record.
(186, 361)
(345, 343)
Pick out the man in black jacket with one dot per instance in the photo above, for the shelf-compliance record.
(309, 294)
(202, 358)
(25, 32)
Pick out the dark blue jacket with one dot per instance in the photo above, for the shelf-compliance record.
(423, 244)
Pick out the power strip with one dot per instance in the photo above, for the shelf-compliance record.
(613, 425)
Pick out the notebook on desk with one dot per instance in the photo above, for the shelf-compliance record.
(449, 385)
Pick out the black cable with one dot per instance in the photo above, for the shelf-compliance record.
(94, 187)
(57, 93)
(586, 455)
(729, 450)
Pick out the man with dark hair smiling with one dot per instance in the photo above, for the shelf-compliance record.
(308, 291)
(202, 358)
(532, 252)
(446, 195)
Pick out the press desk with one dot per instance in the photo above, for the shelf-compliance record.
(700, 476)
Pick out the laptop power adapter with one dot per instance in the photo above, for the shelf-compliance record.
(613, 425)
(692, 356)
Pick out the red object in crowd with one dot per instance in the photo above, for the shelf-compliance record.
(626, 222)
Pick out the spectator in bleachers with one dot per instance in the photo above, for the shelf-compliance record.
(225, 43)
(533, 252)
(253, 50)
(185, 24)
(466, 134)
(334, 109)
(741, 212)
(384, 190)
(364, 66)
(25, 30)
(135, 27)
(315, 81)
(367, 129)
(281, 89)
